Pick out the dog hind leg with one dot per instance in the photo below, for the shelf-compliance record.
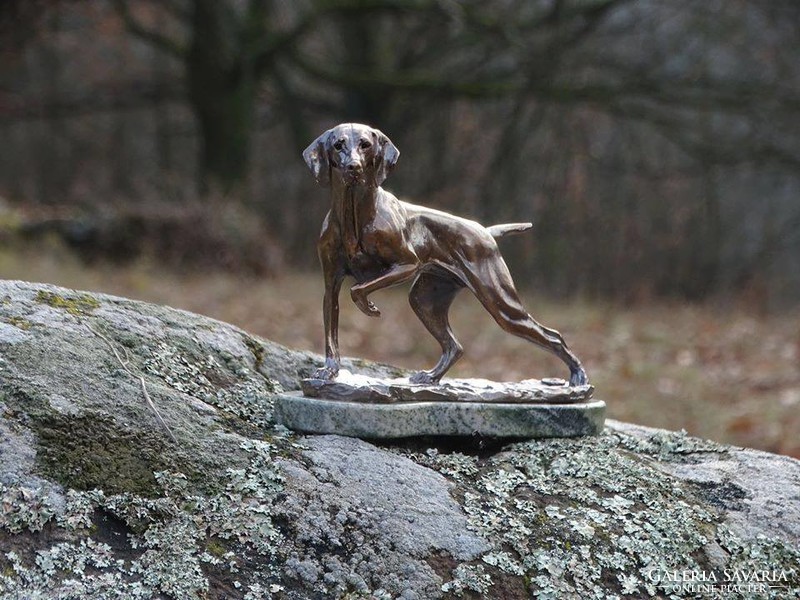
(430, 298)
(492, 284)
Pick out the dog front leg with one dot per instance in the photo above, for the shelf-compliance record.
(397, 274)
(330, 317)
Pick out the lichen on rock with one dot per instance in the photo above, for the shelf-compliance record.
(587, 520)
(164, 540)
(98, 501)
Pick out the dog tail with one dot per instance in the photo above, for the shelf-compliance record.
(498, 231)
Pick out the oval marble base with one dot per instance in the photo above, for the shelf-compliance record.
(363, 420)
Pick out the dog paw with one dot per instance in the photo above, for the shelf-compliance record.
(364, 305)
(371, 310)
(325, 373)
(423, 378)
(578, 377)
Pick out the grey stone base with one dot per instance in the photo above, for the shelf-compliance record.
(409, 419)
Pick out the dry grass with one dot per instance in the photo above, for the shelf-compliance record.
(723, 374)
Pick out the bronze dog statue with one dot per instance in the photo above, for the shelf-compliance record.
(381, 241)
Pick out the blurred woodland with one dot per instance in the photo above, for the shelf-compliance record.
(654, 143)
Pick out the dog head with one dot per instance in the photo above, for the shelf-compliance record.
(357, 154)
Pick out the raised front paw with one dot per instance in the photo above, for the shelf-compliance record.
(325, 373)
(423, 378)
(364, 305)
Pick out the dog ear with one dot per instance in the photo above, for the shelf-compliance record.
(386, 156)
(316, 157)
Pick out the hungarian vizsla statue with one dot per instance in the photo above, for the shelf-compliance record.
(381, 241)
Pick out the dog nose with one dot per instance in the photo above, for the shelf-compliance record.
(354, 167)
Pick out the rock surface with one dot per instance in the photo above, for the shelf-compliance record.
(97, 500)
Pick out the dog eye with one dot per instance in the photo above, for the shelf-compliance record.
(338, 145)
(364, 144)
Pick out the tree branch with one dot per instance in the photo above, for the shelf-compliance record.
(265, 55)
(410, 81)
(178, 9)
(159, 40)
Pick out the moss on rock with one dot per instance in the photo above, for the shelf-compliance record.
(79, 304)
(19, 323)
(92, 451)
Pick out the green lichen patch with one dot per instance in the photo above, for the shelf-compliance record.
(24, 509)
(256, 349)
(249, 398)
(92, 451)
(80, 304)
(19, 323)
(30, 525)
(589, 518)
(176, 545)
(182, 370)
(669, 446)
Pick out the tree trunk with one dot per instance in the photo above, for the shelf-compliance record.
(222, 93)
(225, 118)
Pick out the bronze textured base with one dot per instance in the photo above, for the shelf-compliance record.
(362, 388)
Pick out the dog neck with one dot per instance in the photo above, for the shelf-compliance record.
(354, 205)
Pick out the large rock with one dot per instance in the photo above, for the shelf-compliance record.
(201, 495)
